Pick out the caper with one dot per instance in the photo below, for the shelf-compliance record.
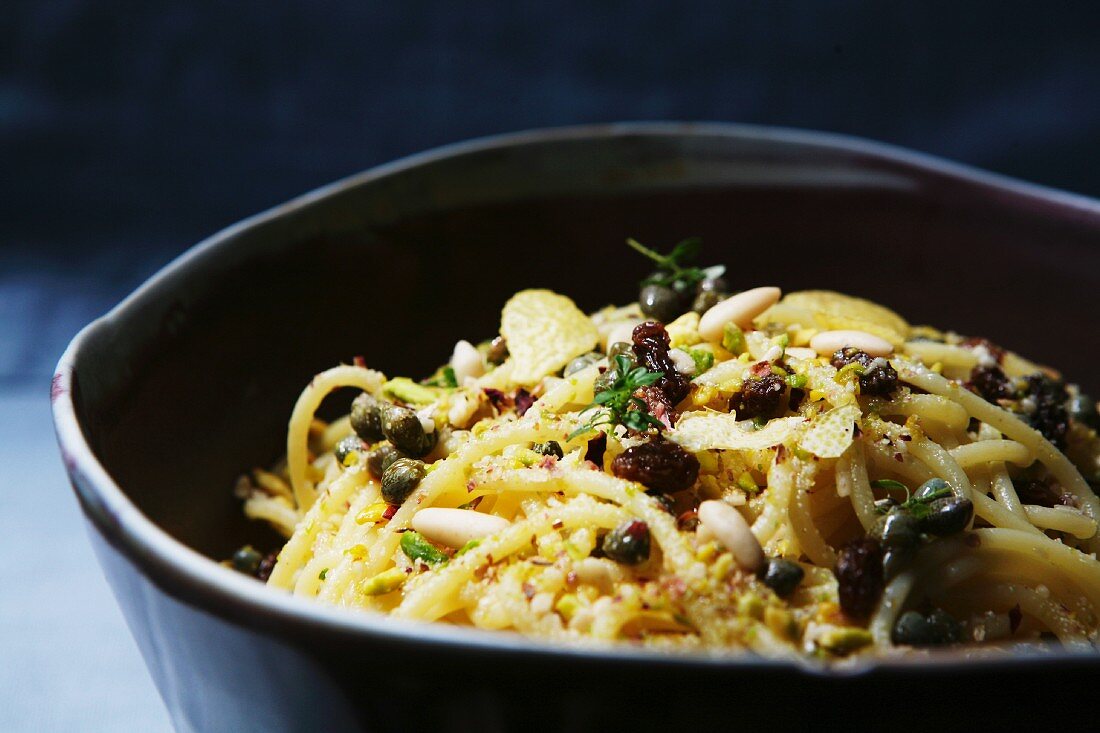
(667, 502)
(947, 516)
(930, 488)
(781, 575)
(347, 446)
(549, 448)
(628, 543)
(897, 529)
(402, 427)
(401, 479)
(713, 285)
(380, 457)
(246, 560)
(498, 351)
(895, 559)
(938, 628)
(660, 302)
(623, 348)
(581, 362)
(1082, 409)
(366, 419)
(706, 300)
(708, 293)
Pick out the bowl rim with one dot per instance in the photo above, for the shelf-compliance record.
(192, 578)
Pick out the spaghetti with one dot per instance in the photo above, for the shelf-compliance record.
(805, 476)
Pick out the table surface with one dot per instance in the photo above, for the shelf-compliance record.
(69, 662)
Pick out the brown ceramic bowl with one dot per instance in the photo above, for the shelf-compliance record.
(163, 402)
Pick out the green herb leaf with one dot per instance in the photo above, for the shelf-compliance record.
(418, 548)
(891, 485)
(921, 507)
(674, 270)
(618, 405)
(445, 377)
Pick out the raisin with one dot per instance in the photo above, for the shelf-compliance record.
(1050, 416)
(656, 401)
(860, 577)
(761, 397)
(990, 383)
(651, 345)
(795, 400)
(658, 465)
(878, 378)
(1040, 493)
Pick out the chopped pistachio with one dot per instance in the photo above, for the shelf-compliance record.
(385, 582)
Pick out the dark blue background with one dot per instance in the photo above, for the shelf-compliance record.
(131, 130)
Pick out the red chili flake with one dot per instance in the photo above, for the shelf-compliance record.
(973, 540)
(548, 462)
(498, 399)
(761, 369)
(899, 458)
(905, 437)
(780, 453)
(359, 361)
(558, 524)
(523, 400)
(391, 509)
(1015, 616)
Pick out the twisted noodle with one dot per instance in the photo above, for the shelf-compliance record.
(805, 487)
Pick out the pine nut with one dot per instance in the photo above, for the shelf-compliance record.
(731, 529)
(800, 352)
(828, 342)
(456, 527)
(739, 309)
(467, 362)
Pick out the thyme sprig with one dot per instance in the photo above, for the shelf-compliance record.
(617, 405)
(675, 270)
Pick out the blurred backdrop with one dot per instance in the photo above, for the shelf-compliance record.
(130, 130)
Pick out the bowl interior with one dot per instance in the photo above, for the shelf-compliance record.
(191, 382)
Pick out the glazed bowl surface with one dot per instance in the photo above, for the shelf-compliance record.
(163, 402)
